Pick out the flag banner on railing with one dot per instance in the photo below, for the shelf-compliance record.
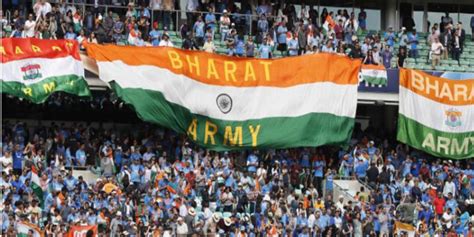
(436, 114)
(33, 69)
(373, 74)
(227, 103)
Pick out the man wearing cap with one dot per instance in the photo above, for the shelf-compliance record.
(189, 219)
(403, 38)
(182, 228)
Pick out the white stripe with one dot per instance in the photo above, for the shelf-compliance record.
(11, 71)
(248, 102)
(374, 73)
(35, 179)
(432, 114)
(24, 229)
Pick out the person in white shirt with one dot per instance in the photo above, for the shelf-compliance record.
(165, 41)
(6, 160)
(449, 187)
(436, 50)
(181, 228)
(30, 26)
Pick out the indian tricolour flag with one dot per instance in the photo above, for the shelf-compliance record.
(226, 103)
(436, 114)
(36, 186)
(373, 74)
(33, 69)
(24, 229)
(403, 228)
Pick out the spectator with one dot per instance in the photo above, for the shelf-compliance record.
(293, 45)
(165, 41)
(436, 50)
(328, 47)
(210, 20)
(30, 26)
(209, 45)
(199, 31)
(281, 37)
(155, 35)
(377, 55)
(413, 40)
(189, 43)
(447, 41)
(387, 57)
(369, 59)
(403, 38)
(461, 33)
(339, 30)
(362, 19)
(389, 37)
(250, 48)
(302, 39)
(457, 48)
(224, 24)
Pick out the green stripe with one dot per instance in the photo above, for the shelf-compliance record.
(459, 145)
(375, 80)
(39, 193)
(40, 91)
(310, 130)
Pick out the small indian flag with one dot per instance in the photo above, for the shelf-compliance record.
(24, 229)
(35, 185)
(373, 74)
(400, 228)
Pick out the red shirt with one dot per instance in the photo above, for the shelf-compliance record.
(439, 205)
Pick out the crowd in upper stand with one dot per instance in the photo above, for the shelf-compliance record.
(267, 31)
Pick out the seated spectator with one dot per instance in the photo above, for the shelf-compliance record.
(369, 59)
(165, 41)
(209, 45)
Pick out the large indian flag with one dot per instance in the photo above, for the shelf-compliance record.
(226, 103)
(23, 229)
(33, 68)
(436, 115)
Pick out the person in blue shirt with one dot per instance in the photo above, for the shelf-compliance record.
(199, 30)
(70, 34)
(265, 50)
(81, 156)
(252, 163)
(281, 38)
(390, 37)
(293, 46)
(155, 35)
(210, 19)
(413, 41)
(17, 160)
(240, 47)
(70, 181)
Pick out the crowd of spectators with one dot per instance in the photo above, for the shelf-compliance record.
(278, 30)
(153, 182)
